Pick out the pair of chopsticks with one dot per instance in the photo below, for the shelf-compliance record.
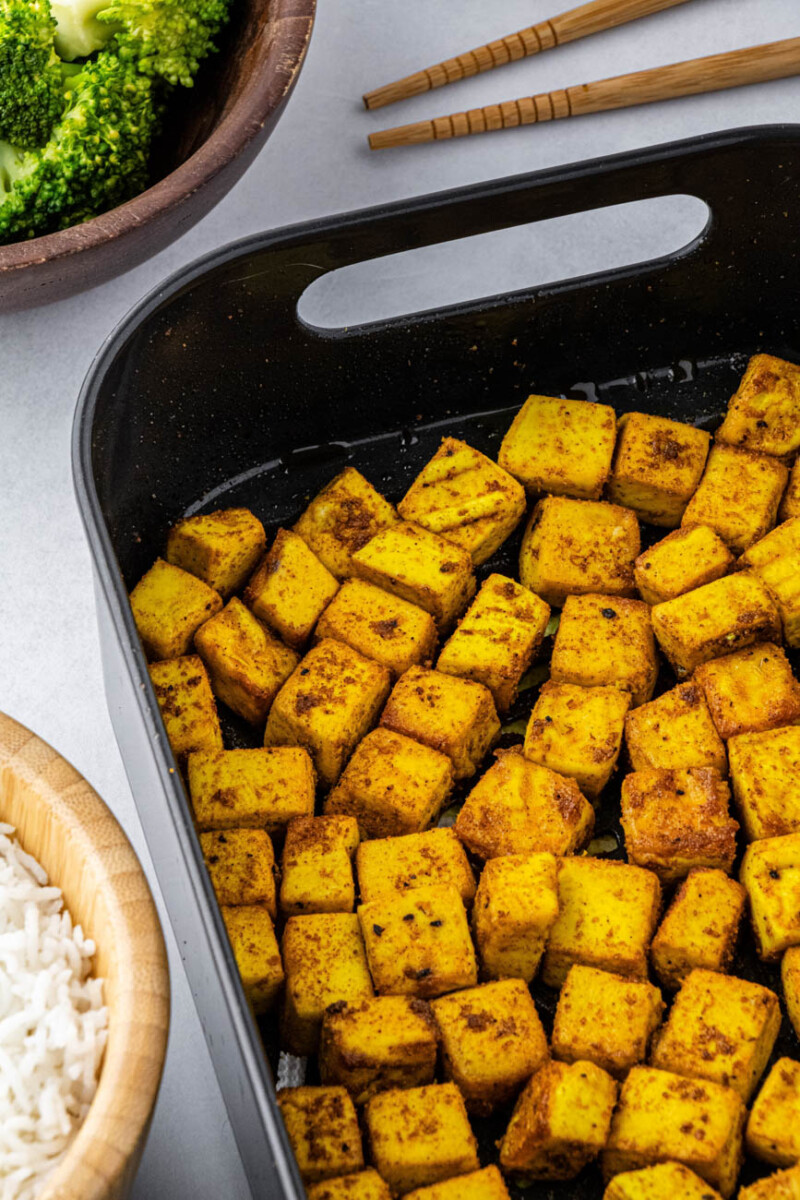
(755, 64)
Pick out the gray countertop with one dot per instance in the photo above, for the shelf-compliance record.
(317, 163)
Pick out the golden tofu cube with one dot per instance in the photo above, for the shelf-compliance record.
(187, 706)
(518, 807)
(790, 504)
(465, 497)
(790, 978)
(364, 1185)
(738, 495)
(477, 1185)
(515, 908)
(675, 730)
(784, 1185)
(765, 768)
(419, 944)
(699, 928)
(420, 1136)
(241, 863)
(773, 1129)
(421, 567)
(563, 447)
(665, 1181)
(392, 785)
(255, 949)
(579, 547)
(776, 561)
(317, 865)
(386, 1042)
(247, 665)
(577, 732)
(455, 716)
(169, 606)
(252, 789)
(606, 640)
(691, 1121)
(770, 873)
(605, 1019)
(327, 705)
(222, 548)
(322, 1125)
(383, 627)
(764, 412)
(684, 560)
(497, 639)
(492, 1042)
(607, 913)
(342, 518)
(657, 466)
(751, 690)
(391, 866)
(676, 820)
(324, 960)
(290, 589)
(560, 1122)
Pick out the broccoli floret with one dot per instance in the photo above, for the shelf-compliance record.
(31, 81)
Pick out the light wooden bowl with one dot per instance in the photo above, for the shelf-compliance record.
(62, 821)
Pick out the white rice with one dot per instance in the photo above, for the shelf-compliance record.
(53, 1024)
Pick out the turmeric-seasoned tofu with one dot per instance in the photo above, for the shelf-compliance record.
(560, 1122)
(454, 716)
(420, 1136)
(322, 1125)
(492, 1041)
(773, 1129)
(765, 773)
(222, 548)
(169, 606)
(515, 908)
(363, 1185)
(324, 960)
(497, 639)
(518, 807)
(392, 785)
(738, 495)
(676, 820)
(477, 1185)
(684, 560)
(563, 447)
(317, 865)
(342, 518)
(379, 625)
(251, 789)
(187, 706)
(790, 979)
(577, 732)
(291, 589)
(699, 928)
(764, 412)
(576, 547)
(607, 914)
(606, 640)
(657, 466)
(605, 1019)
(247, 665)
(675, 731)
(783, 1185)
(255, 949)
(465, 497)
(327, 705)
(241, 864)
(665, 1181)
(770, 873)
(790, 504)
(419, 944)
(386, 1042)
(392, 866)
(751, 690)
(776, 561)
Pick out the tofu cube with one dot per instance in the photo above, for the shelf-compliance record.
(251, 789)
(342, 518)
(776, 561)
(682, 561)
(563, 447)
(241, 864)
(699, 928)
(392, 866)
(169, 606)
(291, 589)
(380, 626)
(386, 1042)
(765, 773)
(465, 497)
(790, 504)
(187, 706)
(790, 979)
(605, 1019)
(324, 960)
(606, 640)
(773, 1129)
(657, 466)
(420, 1136)
(317, 866)
(738, 495)
(577, 732)
(327, 705)
(322, 1125)
(492, 1042)
(764, 412)
(255, 949)
(665, 1181)
(478, 1185)
(751, 690)
(783, 1185)
(222, 548)
(675, 731)
(578, 547)
(515, 908)
(497, 639)
(770, 873)
(364, 1185)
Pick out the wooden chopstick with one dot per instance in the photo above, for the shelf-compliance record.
(580, 22)
(755, 64)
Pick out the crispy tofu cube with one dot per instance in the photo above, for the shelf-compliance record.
(605, 1019)
(770, 873)
(563, 447)
(764, 413)
(247, 665)
(187, 706)
(317, 866)
(342, 518)
(364, 1185)
(222, 548)
(738, 495)
(560, 1122)
(765, 769)
(773, 1130)
(169, 606)
(465, 497)
(383, 627)
(664, 1116)
(388, 866)
(478, 1185)
(327, 705)
(606, 640)
(790, 504)
(454, 716)
(518, 807)
(751, 690)
(386, 1042)
(784, 1185)
(673, 731)
(392, 785)
(682, 561)
(324, 960)
(577, 547)
(699, 928)
(657, 466)
(515, 908)
(497, 639)
(607, 913)
(241, 864)
(251, 789)
(419, 944)
(255, 949)
(290, 589)
(776, 561)
(676, 820)
(420, 1136)
(665, 1181)
(577, 732)
(322, 1125)
(790, 978)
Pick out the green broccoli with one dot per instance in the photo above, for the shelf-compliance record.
(31, 80)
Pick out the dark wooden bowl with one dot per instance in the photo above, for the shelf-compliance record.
(214, 130)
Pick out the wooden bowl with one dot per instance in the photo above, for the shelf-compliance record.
(67, 827)
(213, 132)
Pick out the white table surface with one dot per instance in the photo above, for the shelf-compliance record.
(317, 163)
